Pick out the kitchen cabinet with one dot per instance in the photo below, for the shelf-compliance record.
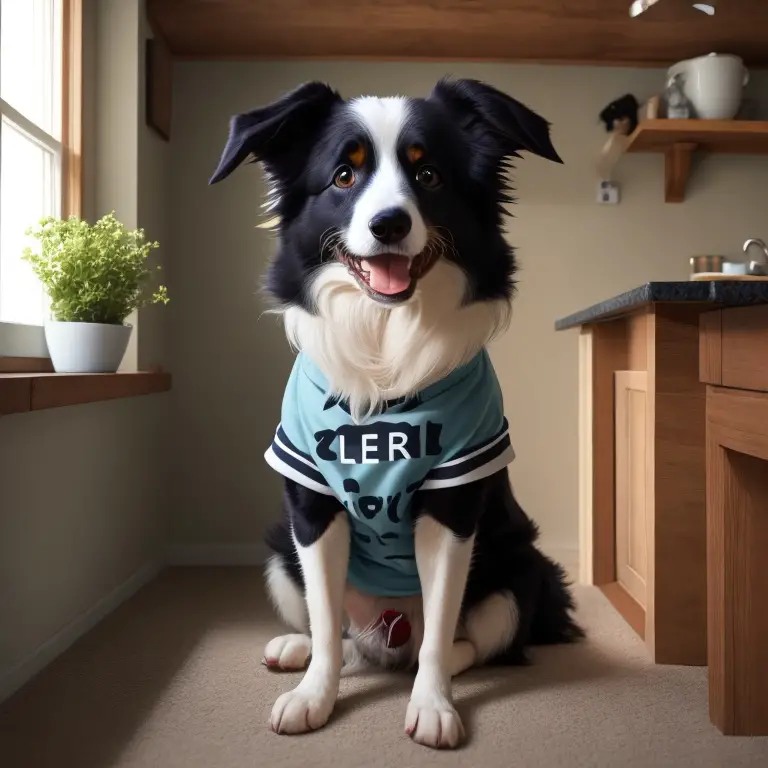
(734, 366)
(643, 457)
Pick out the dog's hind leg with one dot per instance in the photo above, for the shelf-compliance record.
(286, 595)
(287, 652)
(491, 625)
(463, 656)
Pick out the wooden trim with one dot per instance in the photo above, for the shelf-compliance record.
(609, 353)
(677, 606)
(737, 538)
(158, 73)
(632, 497)
(710, 347)
(586, 409)
(744, 348)
(23, 392)
(677, 169)
(26, 365)
(626, 605)
(72, 109)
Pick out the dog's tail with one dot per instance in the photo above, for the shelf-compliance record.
(553, 621)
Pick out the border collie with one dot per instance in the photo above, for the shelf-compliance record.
(402, 544)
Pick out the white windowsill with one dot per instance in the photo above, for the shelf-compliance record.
(17, 340)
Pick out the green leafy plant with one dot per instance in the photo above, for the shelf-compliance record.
(93, 273)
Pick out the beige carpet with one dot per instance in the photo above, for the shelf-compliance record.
(172, 680)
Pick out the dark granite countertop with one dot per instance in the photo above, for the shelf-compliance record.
(724, 293)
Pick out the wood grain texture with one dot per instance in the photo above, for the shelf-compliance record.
(745, 348)
(20, 392)
(26, 365)
(583, 31)
(732, 137)
(677, 533)
(632, 488)
(677, 169)
(15, 395)
(626, 605)
(609, 354)
(710, 347)
(737, 532)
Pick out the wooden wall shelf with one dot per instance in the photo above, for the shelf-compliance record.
(678, 139)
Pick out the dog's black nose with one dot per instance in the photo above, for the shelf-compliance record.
(390, 226)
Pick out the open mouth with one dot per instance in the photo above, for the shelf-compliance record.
(390, 278)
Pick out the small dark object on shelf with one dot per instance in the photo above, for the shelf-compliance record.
(622, 109)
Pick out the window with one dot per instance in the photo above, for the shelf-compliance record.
(36, 38)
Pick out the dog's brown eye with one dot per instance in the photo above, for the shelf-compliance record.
(345, 177)
(428, 177)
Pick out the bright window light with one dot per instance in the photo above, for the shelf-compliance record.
(30, 145)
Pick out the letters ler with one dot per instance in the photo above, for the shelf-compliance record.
(380, 441)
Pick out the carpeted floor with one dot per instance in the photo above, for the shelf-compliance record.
(172, 680)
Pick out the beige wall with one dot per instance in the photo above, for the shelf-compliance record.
(83, 492)
(230, 364)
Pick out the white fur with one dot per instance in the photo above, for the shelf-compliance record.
(324, 567)
(383, 121)
(288, 652)
(285, 595)
(491, 625)
(443, 561)
(371, 353)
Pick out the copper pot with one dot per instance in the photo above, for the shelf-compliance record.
(707, 263)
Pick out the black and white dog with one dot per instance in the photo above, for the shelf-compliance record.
(393, 274)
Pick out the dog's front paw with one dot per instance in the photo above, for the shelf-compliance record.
(288, 652)
(431, 720)
(306, 708)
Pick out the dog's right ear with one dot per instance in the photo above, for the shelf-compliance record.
(271, 131)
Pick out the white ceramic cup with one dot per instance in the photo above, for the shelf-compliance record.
(734, 268)
(713, 83)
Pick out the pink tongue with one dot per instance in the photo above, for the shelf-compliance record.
(389, 274)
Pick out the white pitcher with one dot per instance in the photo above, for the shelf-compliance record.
(713, 84)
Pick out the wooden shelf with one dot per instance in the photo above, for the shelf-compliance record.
(679, 139)
(22, 392)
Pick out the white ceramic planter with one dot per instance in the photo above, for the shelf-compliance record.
(86, 347)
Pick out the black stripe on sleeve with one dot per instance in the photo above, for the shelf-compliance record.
(465, 467)
(479, 446)
(299, 466)
(288, 444)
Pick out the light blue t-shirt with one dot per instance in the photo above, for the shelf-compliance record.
(452, 433)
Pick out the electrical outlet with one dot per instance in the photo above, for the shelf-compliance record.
(608, 193)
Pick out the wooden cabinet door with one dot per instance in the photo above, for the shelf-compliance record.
(631, 441)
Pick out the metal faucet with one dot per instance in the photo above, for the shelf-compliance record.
(755, 267)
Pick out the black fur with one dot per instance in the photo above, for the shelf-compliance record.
(505, 556)
(469, 132)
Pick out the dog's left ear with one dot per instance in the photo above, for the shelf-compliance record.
(488, 115)
(273, 132)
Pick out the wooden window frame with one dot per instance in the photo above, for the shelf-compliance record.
(71, 176)
(72, 109)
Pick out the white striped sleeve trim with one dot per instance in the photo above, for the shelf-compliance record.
(478, 473)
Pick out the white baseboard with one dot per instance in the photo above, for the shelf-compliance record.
(27, 668)
(254, 553)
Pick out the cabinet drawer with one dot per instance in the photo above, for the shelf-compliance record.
(733, 348)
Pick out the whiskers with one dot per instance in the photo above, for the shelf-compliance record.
(330, 241)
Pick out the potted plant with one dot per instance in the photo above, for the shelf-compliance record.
(95, 276)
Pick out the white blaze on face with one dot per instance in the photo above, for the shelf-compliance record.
(383, 120)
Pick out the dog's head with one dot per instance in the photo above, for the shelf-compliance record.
(385, 187)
